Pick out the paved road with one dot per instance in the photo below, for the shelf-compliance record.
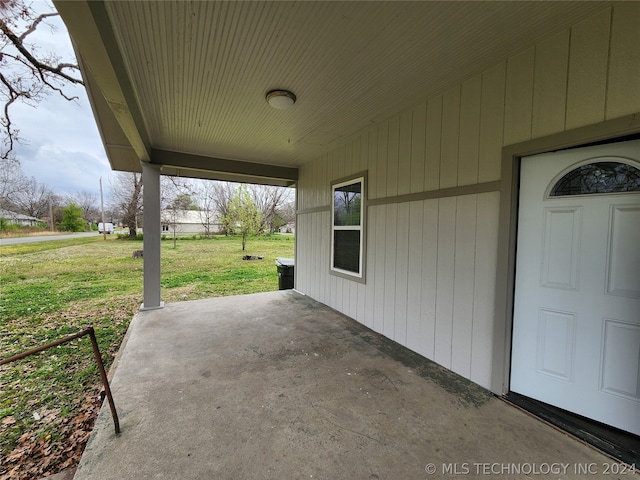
(45, 238)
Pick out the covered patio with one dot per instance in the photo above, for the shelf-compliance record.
(424, 112)
(277, 385)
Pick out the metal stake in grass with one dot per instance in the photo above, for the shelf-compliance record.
(96, 352)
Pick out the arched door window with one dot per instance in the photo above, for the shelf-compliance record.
(598, 178)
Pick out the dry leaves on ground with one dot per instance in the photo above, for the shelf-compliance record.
(34, 458)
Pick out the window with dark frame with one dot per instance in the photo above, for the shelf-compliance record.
(347, 228)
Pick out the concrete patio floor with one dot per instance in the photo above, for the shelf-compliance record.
(278, 386)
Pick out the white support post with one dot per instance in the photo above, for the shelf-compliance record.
(151, 234)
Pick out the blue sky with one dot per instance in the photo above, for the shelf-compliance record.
(62, 147)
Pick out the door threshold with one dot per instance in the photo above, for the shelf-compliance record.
(621, 445)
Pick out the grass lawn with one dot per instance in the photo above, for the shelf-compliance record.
(52, 289)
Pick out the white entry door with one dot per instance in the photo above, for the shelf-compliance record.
(576, 330)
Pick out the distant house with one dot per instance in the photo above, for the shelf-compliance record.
(288, 228)
(190, 222)
(20, 219)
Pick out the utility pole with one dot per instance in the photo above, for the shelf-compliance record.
(104, 227)
(52, 220)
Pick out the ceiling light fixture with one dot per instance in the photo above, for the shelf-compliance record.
(281, 99)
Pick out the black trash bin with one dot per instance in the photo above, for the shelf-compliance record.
(285, 272)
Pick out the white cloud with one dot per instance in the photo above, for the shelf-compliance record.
(62, 146)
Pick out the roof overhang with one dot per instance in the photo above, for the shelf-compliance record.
(183, 84)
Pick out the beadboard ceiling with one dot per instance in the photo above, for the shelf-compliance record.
(191, 77)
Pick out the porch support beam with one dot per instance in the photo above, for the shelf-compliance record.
(224, 166)
(151, 242)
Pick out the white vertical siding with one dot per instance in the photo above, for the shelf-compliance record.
(484, 287)
(414, 273)
(469, 131)
(402, 278)
(445, 280)
(432, 148)
(588, 62)
(623, 87)
(464, 275)
(550, 85)
(370, 288)
(427, 330)
(390, 227)
(392, 160)
(404, 153)
(379, 178)
(417, 149)
(449, 138)
(376, 269)
(519, 98)
(431, 264)
(491, 123)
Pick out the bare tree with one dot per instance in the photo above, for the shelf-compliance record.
(204, 194)
(287, 212)
(178, 200)
(269, 200)
(176, 191)
(34, 199)
(88, 202)
(12, 183)
(222, 194)
(170, 216)
(24, 195)
(126, 192)
(27, 75)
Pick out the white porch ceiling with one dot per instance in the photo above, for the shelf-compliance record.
(191, 77)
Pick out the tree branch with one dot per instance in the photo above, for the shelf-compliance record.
(13, 96)
(48, 73)
(40, 66)
(34, 25)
